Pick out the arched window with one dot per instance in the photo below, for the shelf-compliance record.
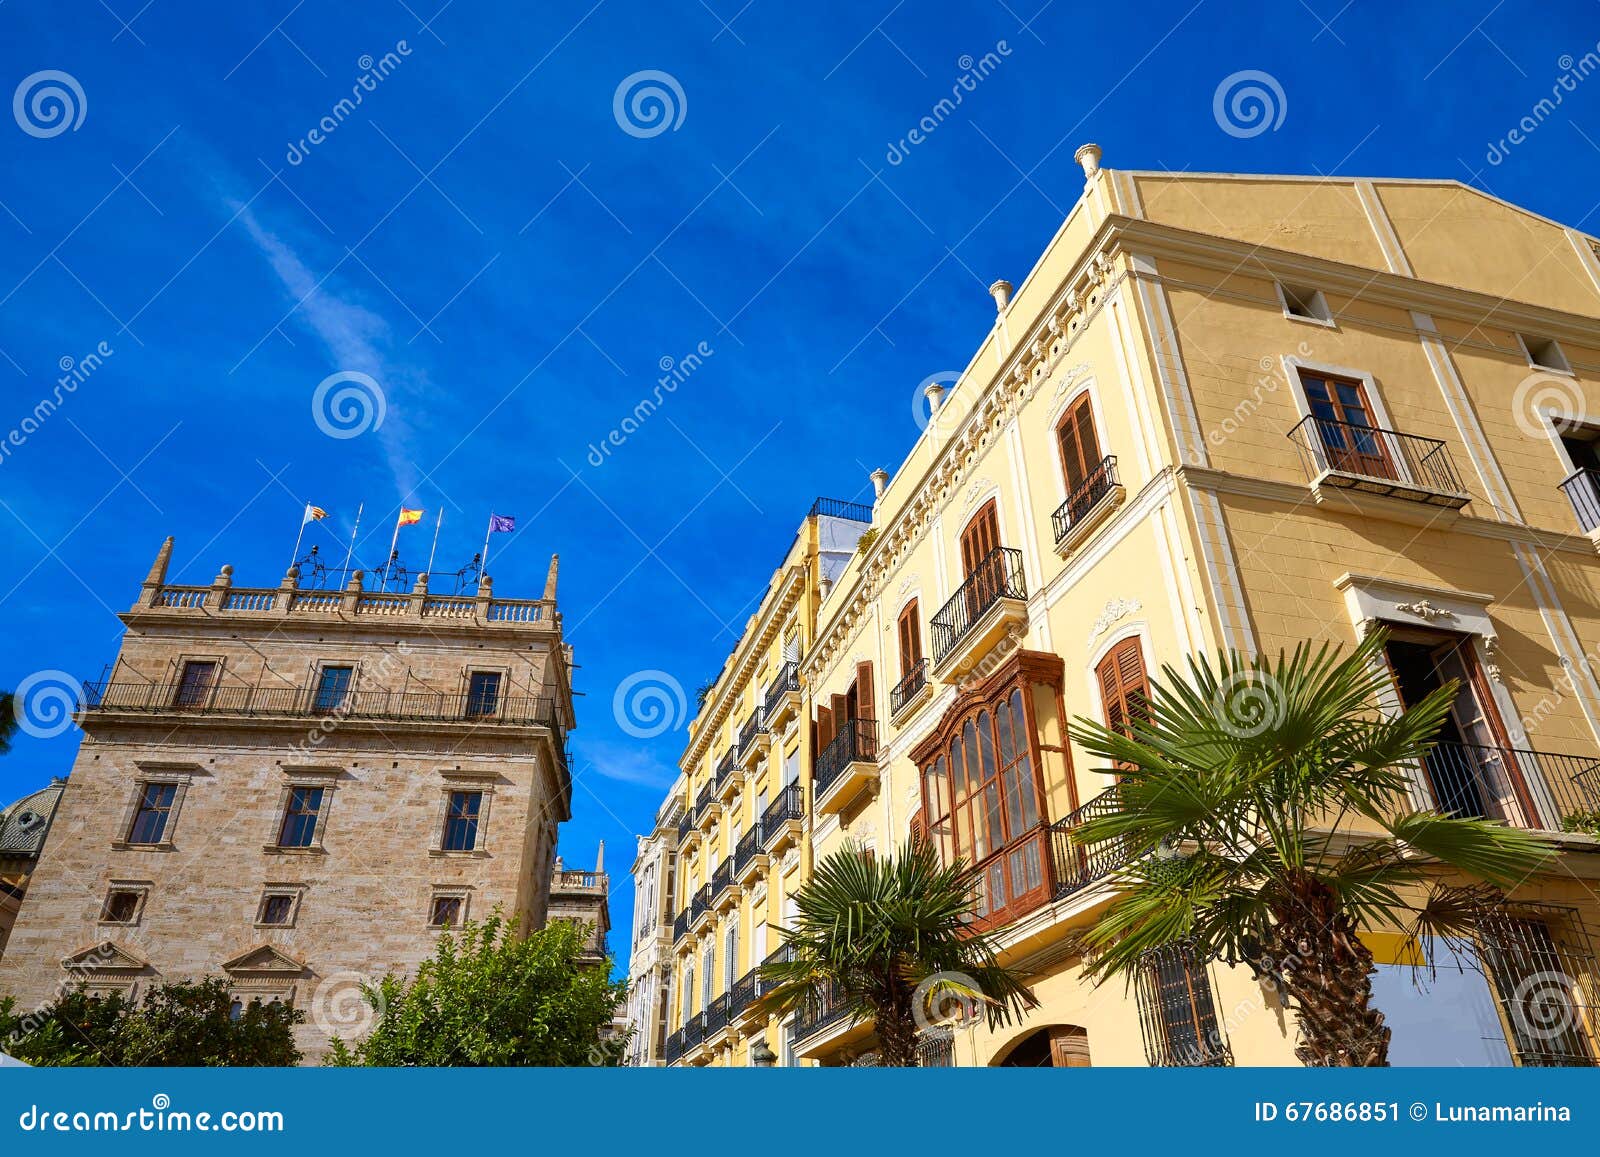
(1124, 685)
(1078, 443)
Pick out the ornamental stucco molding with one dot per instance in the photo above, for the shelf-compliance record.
(1114, 610)
(1033, 361)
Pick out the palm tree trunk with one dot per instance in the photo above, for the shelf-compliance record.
(1326, 973)
(897, 1038)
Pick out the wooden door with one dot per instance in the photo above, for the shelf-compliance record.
(1345, 418)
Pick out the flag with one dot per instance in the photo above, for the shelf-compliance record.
(313, 514)
(501, 523)
(407, 517)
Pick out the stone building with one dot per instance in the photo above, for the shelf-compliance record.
(581, 897)
(23, 827)
(298, 789)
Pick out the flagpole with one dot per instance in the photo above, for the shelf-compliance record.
(353, 531)
(484, 569)
(295, 557)
(435, 549)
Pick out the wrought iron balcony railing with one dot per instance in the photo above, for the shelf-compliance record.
(786, 680)
(753, 726)
(1379, 461)
(749, 848)
(788, 806)
(718, 1013)
(1583, 491)
(1085, 497)
(823, 1011)
(838, 508)
(680, 926)
(694, 1031)
(722, 877)
(906, 690)
(674, 1047)
(703, 802)
(700, 904)
(997, 576)
(1074, 866)
(686, 826)
(1521, 788)
(857, 740)
(745, 991)
(319, 702)
(726, 767)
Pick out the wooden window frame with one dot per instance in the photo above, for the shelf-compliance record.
(908, 627)
(1077, 417)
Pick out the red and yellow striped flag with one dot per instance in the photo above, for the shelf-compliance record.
(407, 517)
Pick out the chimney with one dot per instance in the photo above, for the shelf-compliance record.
(825, 586)
(1089, 157)
(880, 481)
(1001, 292)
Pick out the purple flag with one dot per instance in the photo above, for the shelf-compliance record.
(500, 523)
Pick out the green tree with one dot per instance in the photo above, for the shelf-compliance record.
(1230, 787)
(490, 996)
(8, 720)
(889, 940)
(175, 1024)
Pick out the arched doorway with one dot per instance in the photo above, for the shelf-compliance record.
(1059, 1046)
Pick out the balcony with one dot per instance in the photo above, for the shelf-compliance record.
(754, 738)
(825, 1024)
(1583, 491)
(781, 823)
(680, 926)
(847, 767)
(686, 829)
(783, 696)
(700, 909)
(705, 805)
(318, 703)
(1090, 503)
(694, 1032)
(1535, 790)
(724, 893)
(673, 1050)
(1075, 866)
(727, 778)
(752, 986)
(913, 689)
(990, 606)
(718, 1017)
(750, 857)
(1360, 460)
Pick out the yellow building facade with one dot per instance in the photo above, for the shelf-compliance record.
(1221, 411)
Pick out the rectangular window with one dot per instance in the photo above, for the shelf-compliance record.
(299, 828)
(910, 638)
(1539, 983)
(1124, 688)
(333, 684)
(276, 908)
(150, 817)
(1176, 1010)
(461, 821)
(1305, 303)
(446, 912)
(194, 684)
(483, 693)
(980, 538)
(1079, 445)
(1545, 353)
(121, 907)
(1344, 419)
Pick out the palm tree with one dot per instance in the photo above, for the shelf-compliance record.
(1230, 786)
(889, 940)
(8, 720)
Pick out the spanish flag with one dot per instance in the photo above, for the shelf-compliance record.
(407, 517)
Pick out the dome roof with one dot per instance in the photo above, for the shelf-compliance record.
(24, 824)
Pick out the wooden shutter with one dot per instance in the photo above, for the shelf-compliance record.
(1079, 445)
(981, 536)
(865, 692)
(1123, 687)
(1069, 1047)
(824, 729)
(919, 827)
(910, 638)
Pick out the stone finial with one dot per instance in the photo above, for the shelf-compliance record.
(420, 587)
(355, 581)
(1001, 292)
(600, 859)
(1089, 157)
(550, 579)
(880, 481)
(935, 395)
(158, 569)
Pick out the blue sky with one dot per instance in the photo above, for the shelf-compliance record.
(485, 239)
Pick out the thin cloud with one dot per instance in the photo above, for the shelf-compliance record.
(627, 764)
